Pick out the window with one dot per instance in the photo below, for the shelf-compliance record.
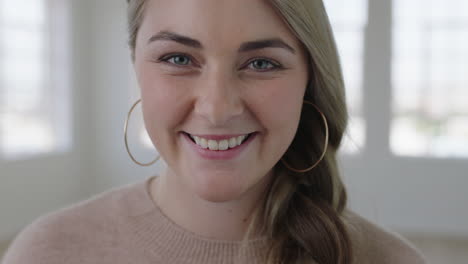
(34, 101)
(348, 19)
(430, 77)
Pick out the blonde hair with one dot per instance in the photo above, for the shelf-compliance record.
(302, 213)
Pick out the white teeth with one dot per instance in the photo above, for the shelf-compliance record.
(203, 143)
(218, 145)
(212, 144)
(239, 139)
(232, 142)
(223, 145)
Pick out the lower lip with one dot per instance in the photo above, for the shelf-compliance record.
(219, 154)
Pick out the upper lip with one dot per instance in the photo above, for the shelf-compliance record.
(217, 137)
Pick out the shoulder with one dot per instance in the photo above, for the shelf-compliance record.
(58, 237)
(375, 244)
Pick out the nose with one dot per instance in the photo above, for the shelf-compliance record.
(218, 99)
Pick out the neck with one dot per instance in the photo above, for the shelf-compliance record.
(216, 220)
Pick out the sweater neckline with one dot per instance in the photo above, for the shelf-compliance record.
(163, 238)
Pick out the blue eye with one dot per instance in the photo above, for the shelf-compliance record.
(177, 59)
(263, 64)
(258, 64)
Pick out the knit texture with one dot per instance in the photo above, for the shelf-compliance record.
(123, 225)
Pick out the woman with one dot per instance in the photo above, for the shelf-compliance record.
(245, 102)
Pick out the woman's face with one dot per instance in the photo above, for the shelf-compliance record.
(218, 70)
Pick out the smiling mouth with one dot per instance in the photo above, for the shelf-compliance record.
(219, 145)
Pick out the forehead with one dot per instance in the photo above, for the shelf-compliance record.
(216, 22)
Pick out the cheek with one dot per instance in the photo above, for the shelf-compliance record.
(279, 106)
(162, 98)
(161, 108)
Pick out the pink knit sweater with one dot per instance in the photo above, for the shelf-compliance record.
(123, 225)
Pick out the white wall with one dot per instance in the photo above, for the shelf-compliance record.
(407, 195)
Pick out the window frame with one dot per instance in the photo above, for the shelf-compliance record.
(419, 194)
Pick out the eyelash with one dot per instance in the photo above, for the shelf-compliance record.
(274, 65)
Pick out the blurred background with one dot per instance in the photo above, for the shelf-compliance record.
(67, 83)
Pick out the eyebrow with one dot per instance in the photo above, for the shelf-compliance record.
(245, 47)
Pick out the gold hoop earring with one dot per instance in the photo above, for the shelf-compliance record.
(324, 148)
(125, 138)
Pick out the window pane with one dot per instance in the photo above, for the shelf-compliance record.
(32, 98)
(23, 71)
(22, 12)
(430, 78)
(348, 19)
(25, 134)
(23, 43)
